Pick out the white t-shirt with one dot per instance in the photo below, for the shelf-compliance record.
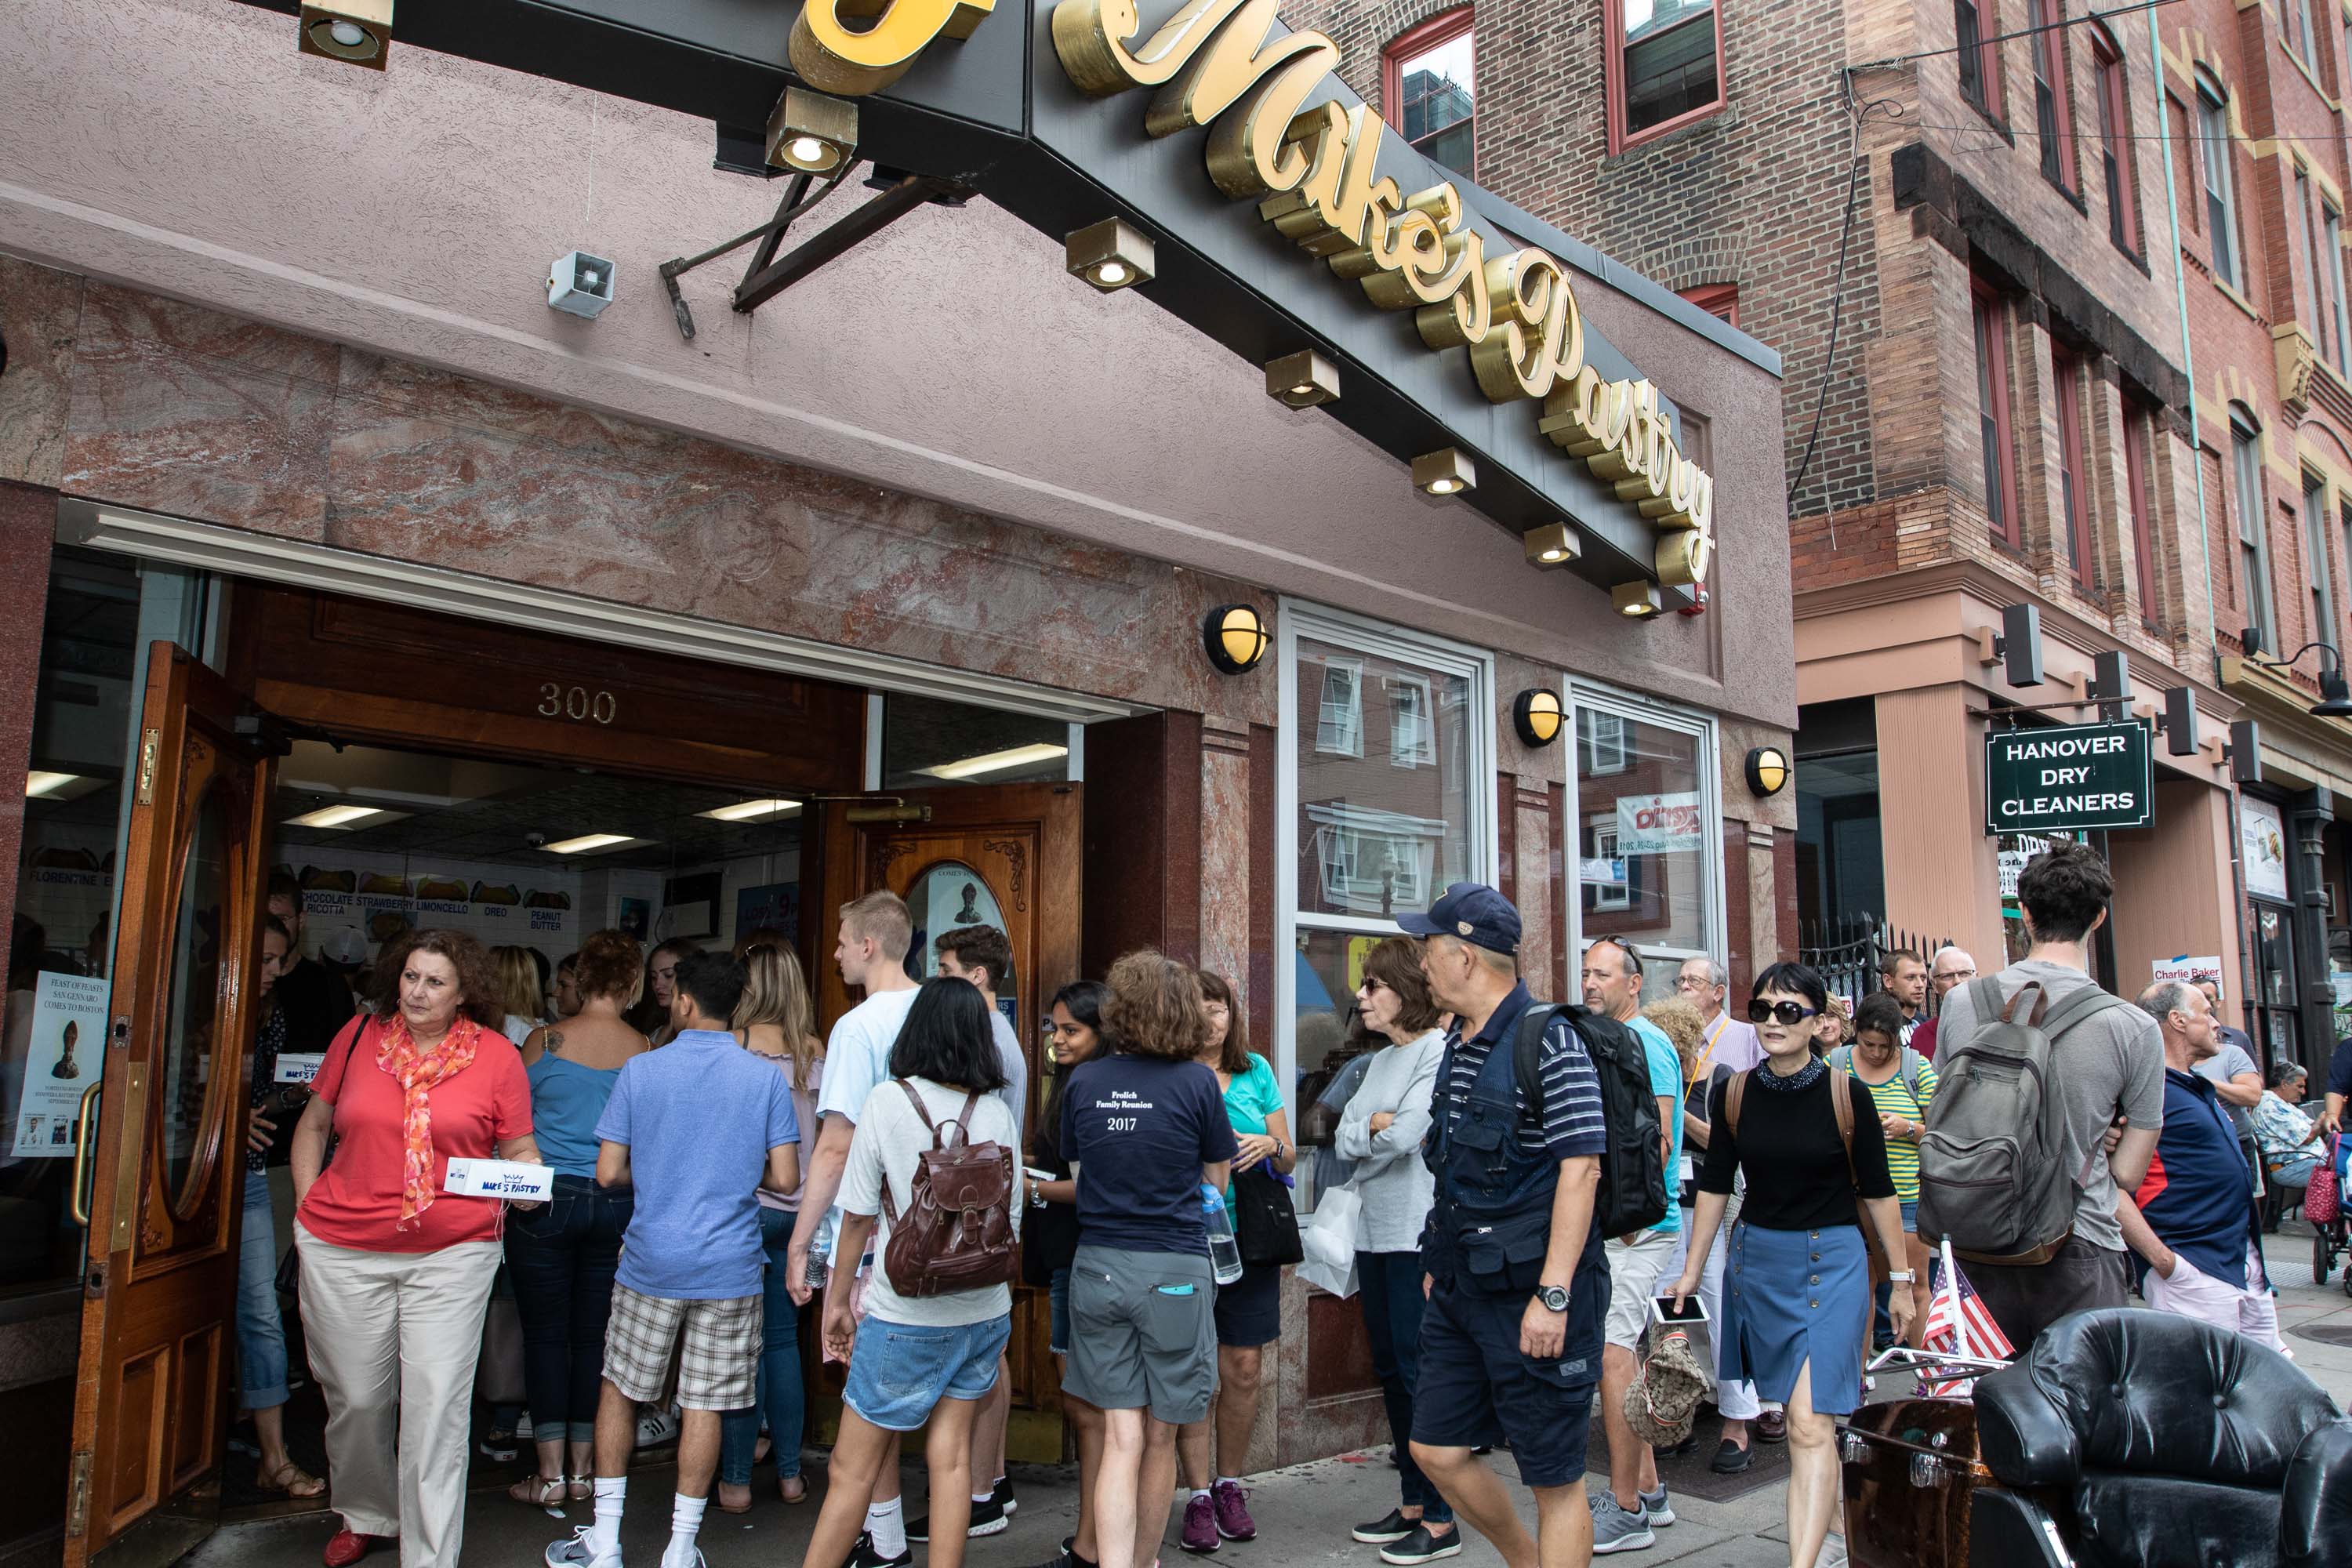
(1015, 1092)
(857, 1056)
(890, 1141)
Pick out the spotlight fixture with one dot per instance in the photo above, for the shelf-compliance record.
(811, 133)
(1110, 255)
(357, 32)
(1444, 473)
(1236, 637)
(1767, 771)
(1302, 379)
(1553, 544)
(1536, 716)
(1636, 600)
(580, 284)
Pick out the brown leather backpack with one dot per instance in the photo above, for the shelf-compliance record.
(957, 1234)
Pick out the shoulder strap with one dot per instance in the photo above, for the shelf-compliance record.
(916, 1100)
(1527, 1044)
(1842, 1106)
(1984, 1002)
(1842, 1059)
(964, 1117)
(1731, 1096)
(2087, 1002)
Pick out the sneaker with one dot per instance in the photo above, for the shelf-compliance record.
(987, 1518)
(1616, 1529)
(1420, 1546)
(1729, 1460)
(580, 1552)
(1200, 1535)
(1003, 1496)
(864, 1556)
(693, 1562)
(655, 1427)
(522, 1427)
(499, 1448)
(1068, 1557)
(1654, 1504)
(1381, 1531)
(1234, 1521)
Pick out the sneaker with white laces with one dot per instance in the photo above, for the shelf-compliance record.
(1618, 1529)
(863, 1553)
(655, 1426)
(1661, 1510)
(580, 1552)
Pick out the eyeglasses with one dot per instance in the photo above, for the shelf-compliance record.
(1692, 982)
(1779, 1012)
(1956, 974)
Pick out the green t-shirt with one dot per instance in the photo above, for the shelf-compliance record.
(1252, 1097)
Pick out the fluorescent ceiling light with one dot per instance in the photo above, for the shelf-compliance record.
(754, 810)
(42, 784)
(997, 761)
(589, 842)
(341, 816)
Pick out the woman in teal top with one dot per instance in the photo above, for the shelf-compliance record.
(1249, 1311)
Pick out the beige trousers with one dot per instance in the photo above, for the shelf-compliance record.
(394, 1338)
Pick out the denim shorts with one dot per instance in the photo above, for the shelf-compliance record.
(1058, 1294)
(898, 1372)
(1911, 1217)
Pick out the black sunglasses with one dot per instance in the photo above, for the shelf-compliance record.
(1785, 1011)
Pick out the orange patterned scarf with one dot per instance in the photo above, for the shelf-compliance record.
(417, 1070)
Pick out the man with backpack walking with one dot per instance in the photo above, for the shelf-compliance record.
(1544, 1138)
(2036, 1065)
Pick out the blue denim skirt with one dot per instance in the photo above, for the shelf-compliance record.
(1794, 1296)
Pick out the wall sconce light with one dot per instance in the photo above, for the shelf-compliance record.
(1110, 255)
(1536, 716)
(1767, 771)
(1236, 637)
(1636, 600)
(357, 32)
(1302, 379)
(811, 132)
(1445, 473)
(1553, 544)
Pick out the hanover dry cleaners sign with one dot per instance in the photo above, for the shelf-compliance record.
(2076, 776)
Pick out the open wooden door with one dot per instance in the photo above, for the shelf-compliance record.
(1000, 855)
(163, 1167)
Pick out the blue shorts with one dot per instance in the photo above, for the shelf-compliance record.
(1057, 1295)
(1910, 1217)
(898, 1372)
(1476, 1389)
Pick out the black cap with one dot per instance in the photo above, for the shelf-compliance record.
(1473, 912)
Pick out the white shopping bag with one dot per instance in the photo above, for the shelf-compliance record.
(1328, 1238)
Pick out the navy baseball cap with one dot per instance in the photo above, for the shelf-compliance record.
(1474, 913)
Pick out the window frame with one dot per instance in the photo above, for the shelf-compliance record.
(2307, 227)
(2139, 425)
(2120, 171)
(2295, 18)
(1343, 747)
(2318, 582)
(1989, 312)
(2331, 252)
(1420, 39)
(2052, 92)
(1614, 81)
(2251, 498)
(2067, 370)
(1720, 300)
(2218, 184)
(1987, 100)
(1592, 742)
(1424, 750)
(1580, 697)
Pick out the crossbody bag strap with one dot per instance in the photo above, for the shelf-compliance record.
(1841, 1105)
(1731, 1097)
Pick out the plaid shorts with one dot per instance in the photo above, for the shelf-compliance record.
(718, 1368)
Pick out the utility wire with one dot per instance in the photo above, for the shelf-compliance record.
(1854, 162)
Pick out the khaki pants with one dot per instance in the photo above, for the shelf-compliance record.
(394, 1338)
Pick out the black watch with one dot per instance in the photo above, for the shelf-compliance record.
(1553, 1296)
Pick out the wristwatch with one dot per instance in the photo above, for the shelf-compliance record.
(1554, 1298)
(1900, 1277)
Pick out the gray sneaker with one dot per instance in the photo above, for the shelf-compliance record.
(1655, 1504)
(1616, 1529)
(580, 1552)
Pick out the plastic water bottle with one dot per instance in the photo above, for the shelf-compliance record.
(1224, 1252)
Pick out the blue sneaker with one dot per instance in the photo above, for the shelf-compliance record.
(1654, 1504)
(1617, 1529)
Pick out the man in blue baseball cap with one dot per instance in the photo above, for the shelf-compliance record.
(1510, 1348)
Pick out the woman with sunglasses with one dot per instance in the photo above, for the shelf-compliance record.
(1796, 1299)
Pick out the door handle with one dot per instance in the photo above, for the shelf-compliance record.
(81, 1155)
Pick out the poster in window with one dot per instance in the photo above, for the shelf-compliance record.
(61, 1055)
(1660, 824)
(2261, 844)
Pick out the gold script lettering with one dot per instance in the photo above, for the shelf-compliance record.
(832, 58)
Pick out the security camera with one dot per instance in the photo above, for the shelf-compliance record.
(580, 283)
(536, 840)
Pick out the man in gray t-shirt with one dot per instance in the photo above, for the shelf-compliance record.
(2111, 1066)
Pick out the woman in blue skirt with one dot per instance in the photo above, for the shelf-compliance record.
(1796, 1288)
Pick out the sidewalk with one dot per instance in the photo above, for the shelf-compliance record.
(1303, 1512)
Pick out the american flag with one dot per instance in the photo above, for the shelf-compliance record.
(1984, 1336)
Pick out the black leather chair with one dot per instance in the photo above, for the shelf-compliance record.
(2142, 1439)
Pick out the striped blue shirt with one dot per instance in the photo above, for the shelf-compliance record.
(1573, 1123)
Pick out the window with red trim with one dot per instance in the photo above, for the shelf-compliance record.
(1991, 315)
(1720, 300)
(2117, 170)
(2054, 113)
(1430, 87)
(2072, 471)
(2139, 424)
(1973, 23)
(1664, 66)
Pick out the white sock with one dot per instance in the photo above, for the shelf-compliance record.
(606, 1532)
(685, 1519)
(988, 1496)
(888, 1525)
(1229, 1480)
(1200, 1491)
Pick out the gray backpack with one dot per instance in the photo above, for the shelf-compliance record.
(1994, 1180)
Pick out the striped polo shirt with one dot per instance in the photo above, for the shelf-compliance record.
(1894, 1098)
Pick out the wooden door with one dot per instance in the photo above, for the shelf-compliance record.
(1007, 851)
(158, 1331)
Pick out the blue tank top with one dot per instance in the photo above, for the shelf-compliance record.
(567, 1100)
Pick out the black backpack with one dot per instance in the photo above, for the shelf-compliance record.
(1633, 1194)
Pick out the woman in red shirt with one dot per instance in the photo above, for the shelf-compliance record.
(397, 1272)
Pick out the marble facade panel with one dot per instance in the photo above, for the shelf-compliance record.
(1226, 882)
(40, 312)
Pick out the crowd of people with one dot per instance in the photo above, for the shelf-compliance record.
(1534, 1187)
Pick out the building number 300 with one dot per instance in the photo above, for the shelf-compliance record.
(576, 703)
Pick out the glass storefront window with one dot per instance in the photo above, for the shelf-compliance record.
(1647, 850)
(927, 742)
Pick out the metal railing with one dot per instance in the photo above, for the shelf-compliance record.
(1846, 949)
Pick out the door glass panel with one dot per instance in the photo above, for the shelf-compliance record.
(197, 953)
(927, 742)
(948, 894)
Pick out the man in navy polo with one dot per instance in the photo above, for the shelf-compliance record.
(2194, 1222)
(1510, 1349)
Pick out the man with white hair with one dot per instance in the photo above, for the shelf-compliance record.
(1949, 967)
(2194, 1222)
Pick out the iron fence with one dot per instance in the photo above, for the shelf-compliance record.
(1846, 949)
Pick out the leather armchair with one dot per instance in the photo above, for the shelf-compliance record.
(2143, 1440)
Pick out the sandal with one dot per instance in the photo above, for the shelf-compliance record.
(582, 1487)
(293, 1481)
(794, 1490)
(547, 1494)
(734, 1497)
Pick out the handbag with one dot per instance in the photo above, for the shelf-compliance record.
(1266, 1222)
(2321, 1200)
(1329, 1241)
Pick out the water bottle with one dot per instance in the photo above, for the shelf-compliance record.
(1224, 1252)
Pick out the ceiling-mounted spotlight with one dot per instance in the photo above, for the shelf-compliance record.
(1636, 600)
(1444, 473)
(1235, 637)
(811, 132)
(1536, 716)
(1553, 544)
(1302, 379)
(357, 32)
(1110, 255)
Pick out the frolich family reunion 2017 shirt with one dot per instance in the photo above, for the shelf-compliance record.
(1138, 1129)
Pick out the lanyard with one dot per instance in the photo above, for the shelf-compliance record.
(1722, 1022)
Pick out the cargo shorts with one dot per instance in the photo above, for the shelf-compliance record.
(1143, 1332)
